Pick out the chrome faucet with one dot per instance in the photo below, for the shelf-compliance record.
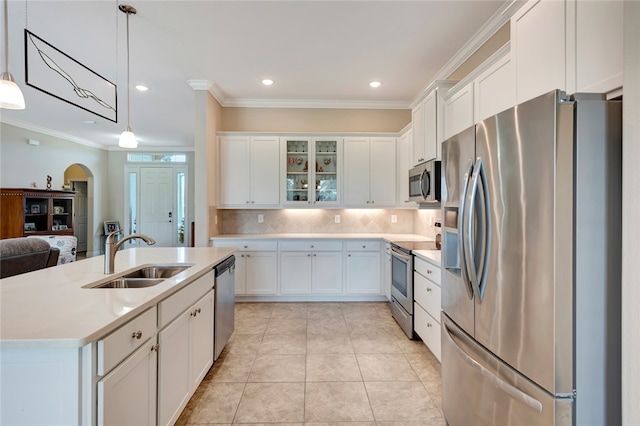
(111, 248)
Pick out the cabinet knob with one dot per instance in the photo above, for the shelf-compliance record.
(248, 255)
(364, 246)
(247, 201)
(246, 246)
(309, 255)
(348, 255)
(312, 246)
(428, 289)
(368, 201)
(428, 271)
(314, 255)
(242, 255)
(429, 325)
(155, 348)
(252, 202)
(136, 335)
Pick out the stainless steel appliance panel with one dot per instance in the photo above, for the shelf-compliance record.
(458, 154)
(484, 391)
(224, 301)
(404, 319)
(521, 302)
(402, 278)
(598, 252)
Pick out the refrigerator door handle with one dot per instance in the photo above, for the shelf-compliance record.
(478, 276)
(495, 380)
(461, 243)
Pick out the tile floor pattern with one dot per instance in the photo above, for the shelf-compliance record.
(319, 363)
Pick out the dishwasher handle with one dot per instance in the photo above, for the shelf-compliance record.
(228, 264)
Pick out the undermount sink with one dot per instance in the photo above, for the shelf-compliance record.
(130, 283)
(157, 271)
(146, 276)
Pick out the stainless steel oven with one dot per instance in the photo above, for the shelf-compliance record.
(402, 288)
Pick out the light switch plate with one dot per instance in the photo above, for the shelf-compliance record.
(260, 218)
(336, 218)
(394, 218)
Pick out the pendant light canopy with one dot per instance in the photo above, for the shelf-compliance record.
(127, 138)
(10, 94)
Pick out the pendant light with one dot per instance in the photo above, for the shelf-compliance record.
(127, 138)
(10, 94)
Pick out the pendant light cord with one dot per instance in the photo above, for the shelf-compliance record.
(128, 88)
(6, 36)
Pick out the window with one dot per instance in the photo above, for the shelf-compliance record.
(133, 157)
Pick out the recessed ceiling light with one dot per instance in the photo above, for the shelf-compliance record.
(89, 122)
(375, 84)
(142, 88)
(267, 82)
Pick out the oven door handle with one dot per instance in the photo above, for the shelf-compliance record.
(403, 256)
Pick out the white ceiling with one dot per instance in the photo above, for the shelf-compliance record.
(315, 51)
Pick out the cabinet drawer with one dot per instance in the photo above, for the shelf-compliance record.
(119, 344)
(174, 305)
(244, 245)
(427, 328)
(427, 294)
(363, 246)
(310, 246)
(428, 270)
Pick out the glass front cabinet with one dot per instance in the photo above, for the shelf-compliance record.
(312, 171)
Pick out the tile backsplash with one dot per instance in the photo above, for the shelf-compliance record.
(323, 221)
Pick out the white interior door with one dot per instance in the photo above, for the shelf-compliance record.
(80, 211)
(157, 216)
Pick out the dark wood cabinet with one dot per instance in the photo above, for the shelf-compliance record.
(25, 212)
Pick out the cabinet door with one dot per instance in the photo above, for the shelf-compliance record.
(458, 111)
(201, 339)
(265, 171)
(234, 170)
(417, 124)
(404, 164)
(295, 272)
(261, 272)
(127, 395)
(356, 172)
(599, 45)
(494, 89)
(174, 384)
(430, 127)
(327, 273)
(299, 155)
(382, 171)
(363, 273)
(538, 44)
(327, 154)
(386, 278)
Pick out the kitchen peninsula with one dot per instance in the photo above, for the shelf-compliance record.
(72, 354)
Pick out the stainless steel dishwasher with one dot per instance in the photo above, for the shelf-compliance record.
(224, 304)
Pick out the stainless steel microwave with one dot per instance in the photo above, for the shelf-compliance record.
(424, 182)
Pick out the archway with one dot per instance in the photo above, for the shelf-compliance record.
(79, 178)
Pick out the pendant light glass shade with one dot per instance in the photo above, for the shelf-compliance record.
(10, 94)
(127, 138)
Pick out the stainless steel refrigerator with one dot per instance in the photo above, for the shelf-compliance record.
(531, 266)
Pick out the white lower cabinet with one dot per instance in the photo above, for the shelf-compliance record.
(363, 267)
(256, 266)
(311, 270)
(127, 395)
(427, 304)
(185, 356)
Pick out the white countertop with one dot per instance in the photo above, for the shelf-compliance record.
(433, 256)
(335, 236)
(50, 307)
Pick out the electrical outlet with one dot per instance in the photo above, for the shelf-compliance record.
(336, 218)
(215, 219)
(394, 218)
(260, 218)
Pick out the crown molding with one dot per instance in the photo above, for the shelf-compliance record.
(53, 133)
(199, 84)
(313, 103)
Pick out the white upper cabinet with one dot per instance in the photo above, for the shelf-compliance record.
(575, 46)
(599, 45)
(311, 170)
(427, 123)
(458, 110)
(369, 172)
(249, 171)
(404, 164)
(494, 89)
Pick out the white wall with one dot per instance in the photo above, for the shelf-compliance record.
(21, 164)
(630, 223)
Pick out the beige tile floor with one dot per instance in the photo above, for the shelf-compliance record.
(319, 363)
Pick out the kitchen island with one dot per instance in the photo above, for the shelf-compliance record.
(71, 354)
